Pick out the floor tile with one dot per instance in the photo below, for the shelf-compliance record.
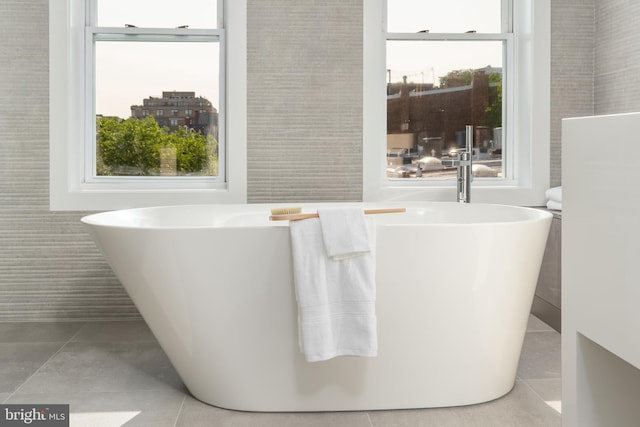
(540, 357)
(38, 331)
(520, 408)
(94, 367)
(537, 325)
(121, 331)
(19, 361)
(157, 408)
(195, 413)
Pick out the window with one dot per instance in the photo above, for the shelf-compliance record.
(433, 67)
(112, 59)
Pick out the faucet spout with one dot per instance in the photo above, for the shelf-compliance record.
(465, 168)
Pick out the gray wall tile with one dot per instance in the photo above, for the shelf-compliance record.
(617, 56)
(572, 59)
(617, 53)
(49, 267)
(304, 100)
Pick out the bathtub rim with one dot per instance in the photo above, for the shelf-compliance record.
(109, 219)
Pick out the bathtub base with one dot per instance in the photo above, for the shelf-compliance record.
(278, 379)
(340, 397)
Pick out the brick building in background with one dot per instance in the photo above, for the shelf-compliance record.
(180, 109)
(432, 120)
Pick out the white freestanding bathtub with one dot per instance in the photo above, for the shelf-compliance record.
(214, 283)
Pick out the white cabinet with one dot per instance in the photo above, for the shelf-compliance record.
(601, 271)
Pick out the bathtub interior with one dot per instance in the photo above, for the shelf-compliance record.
(257, 215)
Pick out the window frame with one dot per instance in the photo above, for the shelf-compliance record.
(69, 97)
(527, 98)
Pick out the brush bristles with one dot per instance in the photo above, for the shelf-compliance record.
(285, 211)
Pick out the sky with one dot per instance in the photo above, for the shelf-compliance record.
(451, 16)
(425, 62)
(128, 72)
(157, 13)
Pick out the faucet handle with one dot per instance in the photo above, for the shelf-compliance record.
(464, 158)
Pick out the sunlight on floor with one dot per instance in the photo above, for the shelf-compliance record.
(555, 404)
(101, 419)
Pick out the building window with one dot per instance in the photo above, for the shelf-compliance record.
(471, 63)
(121, 58)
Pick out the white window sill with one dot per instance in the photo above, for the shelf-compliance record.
(100, 200)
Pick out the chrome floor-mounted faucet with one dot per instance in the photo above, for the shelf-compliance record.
(463, 162)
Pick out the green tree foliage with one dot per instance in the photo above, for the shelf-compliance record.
(132, 147)
(493, 117)
(130, 144)
(494, 110)
(191, 150)
(457, 78)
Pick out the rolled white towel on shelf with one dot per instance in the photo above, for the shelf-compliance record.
(554, 206)
(554, 198)
(554, 194)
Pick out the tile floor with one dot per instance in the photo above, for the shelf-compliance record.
(115, 374)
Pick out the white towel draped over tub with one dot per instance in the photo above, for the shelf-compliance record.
(336, 295)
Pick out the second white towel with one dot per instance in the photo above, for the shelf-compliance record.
(344, 232)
